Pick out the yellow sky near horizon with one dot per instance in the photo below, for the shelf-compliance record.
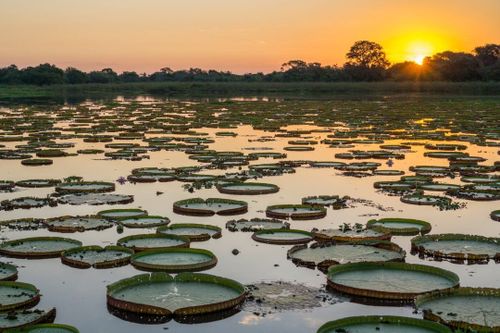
(236, 35)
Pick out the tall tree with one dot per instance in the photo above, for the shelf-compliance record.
(366, 61)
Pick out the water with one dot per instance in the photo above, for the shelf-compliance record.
(80, 295)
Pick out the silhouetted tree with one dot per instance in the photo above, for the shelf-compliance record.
(453, 66)
(366, 61)
(405, 71)
(44, 74)
(75, 76)
(129, 77)
(10, 75)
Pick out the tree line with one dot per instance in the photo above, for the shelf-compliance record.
(366, 61)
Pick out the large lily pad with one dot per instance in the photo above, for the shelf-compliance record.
(97, 257)
(38, 247)
(77, 223)
(211, 206)
(25, 318)
(195, 232)
(153, 241)
(175, 260)
(389, 280)
(384, 324)
(16, 295)
(256, 224)
(149, 221)
(282, 236)
(187, 294)
(95, 199)
(8, 272)
(468, 309)
(400, 226)
(85, 187)
(247, 188)
(46, 328)
(296, 212)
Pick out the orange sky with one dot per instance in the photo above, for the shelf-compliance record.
(237, 35)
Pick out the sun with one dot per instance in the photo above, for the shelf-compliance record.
(417, 51)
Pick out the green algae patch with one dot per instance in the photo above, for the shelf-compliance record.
(174, 260)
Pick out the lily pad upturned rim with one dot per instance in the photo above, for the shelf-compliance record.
(103, 212)
(45, 317)
(462, 291)
(306, 239)
(104, 264)
(418, 246)
(227, 188)
(37, 255)
(37, 162)
(243, 207)
(231, 225)
(69, 229)
(182, 277)
(12, 268)
(426, 226)
(164, 221)
(33, 328)
(320, 237)
(331, 326)
(174, 268)
(315, 212)
(495, 215)
(193, 238)
(326, 264)
(65, 188)
(24, 304)
(121, 241)
(386, 295)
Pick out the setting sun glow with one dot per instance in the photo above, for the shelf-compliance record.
(417, 51)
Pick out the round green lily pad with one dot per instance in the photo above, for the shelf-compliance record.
(97, 257)
(457, 246)
(325, 200)
(467, 309)
(390, 281)
(148, 221)
(153, 241)
(37, 162)
(37, 247)
(46, 328)
(119, 214)
(421, 199)
(174, 260)
(77, 223)
(85, 187)
(400, 226)
(383, 324)
(495, 215)
(95, 199)
(16, 295)
(256, 224)
(247, 188)
(325, 255)
(282, 236)
(186, 294)
(8, 272)
(36, 183)
(211, 206)
(195, 232)
(12, 321)
(296, 212)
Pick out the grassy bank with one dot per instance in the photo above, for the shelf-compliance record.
(291, 89)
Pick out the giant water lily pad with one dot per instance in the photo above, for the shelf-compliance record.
(256, 224)
(495, 215)
(149, 221)
(119, 214)
(97, 257)
(400, 226)
(25, 203)
(458, 247)
(247, 188)
(8, 272)
(77, 223)
(296, 212)
(282, 236)
(389, 280)
(25, 318)
(421, 199)
(186, 294)
(350, 235)
(211, 206)
(195, 232)
(46, 328)
(384, 324)
(95, 199)
(35, 183)
(324, 255)
(175, 260)
(468, 309)
(38, 247)
(325, 200)
(153, 241)
(85, 187)
(16, 295)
